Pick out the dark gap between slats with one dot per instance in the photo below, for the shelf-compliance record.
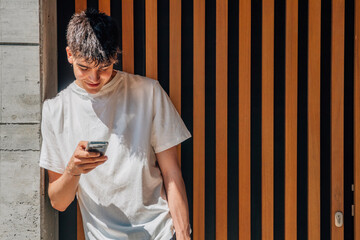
(65, 73)
(325, 136)
(93, 4)
(302, 123)
(68, 218)
(256, 114)
(116, 14)
(187, 98)
(163, 43)
(279, 120)
(349, 120)
(139, 37)
(233, 120)
(210, 123)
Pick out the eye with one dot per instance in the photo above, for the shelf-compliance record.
(84, 68)
(104, 69)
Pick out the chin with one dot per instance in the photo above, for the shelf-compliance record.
(92, 91)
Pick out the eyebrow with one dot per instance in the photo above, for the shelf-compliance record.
(83, 66)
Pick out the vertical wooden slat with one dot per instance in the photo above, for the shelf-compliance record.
(267, 120)
(151, 38)
(221, 118)
(80, 230)
(128, 35)
(80, 5)
(291, 58)
(175, 53)
(175, 57)
(199, 121)
(104, 6)
(244, 119)
(314, 55)
(337, 115)
(357, 122)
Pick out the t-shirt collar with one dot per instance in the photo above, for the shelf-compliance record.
(108, 87)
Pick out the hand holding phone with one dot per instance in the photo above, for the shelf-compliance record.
(87, 156)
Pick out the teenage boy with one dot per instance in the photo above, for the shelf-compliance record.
(135, 191)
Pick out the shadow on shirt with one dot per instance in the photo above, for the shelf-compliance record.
(109, 222)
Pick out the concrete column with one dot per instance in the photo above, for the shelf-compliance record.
(20, 116)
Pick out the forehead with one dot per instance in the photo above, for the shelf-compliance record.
(86, 63)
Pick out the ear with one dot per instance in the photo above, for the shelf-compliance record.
(70, 56)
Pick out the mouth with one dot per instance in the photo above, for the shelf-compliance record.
(93, 85)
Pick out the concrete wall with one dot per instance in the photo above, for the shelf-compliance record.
(19, 119)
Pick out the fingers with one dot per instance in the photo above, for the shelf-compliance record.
(80, 166)
(86, 154)
(83, 144)
(80, 161)
(90, 166)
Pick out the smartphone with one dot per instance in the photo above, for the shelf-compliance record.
(97, 146)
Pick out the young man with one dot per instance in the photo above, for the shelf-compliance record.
(134, 191)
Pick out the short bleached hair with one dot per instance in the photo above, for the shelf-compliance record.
(93, 36)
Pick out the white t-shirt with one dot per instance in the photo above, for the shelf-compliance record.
(124, 198)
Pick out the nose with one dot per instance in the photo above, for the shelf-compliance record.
(94, 76)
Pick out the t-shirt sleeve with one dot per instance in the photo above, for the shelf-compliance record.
(50, 157)
(168, 129)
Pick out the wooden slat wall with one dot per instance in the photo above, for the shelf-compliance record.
(314, 119)
(104, 6)
(244, 133)
(199, 121)
(291, 119)
(151, 38)
(175, 57)
(128, 38)
(175, 53)
(337, 115)
(244, 119)
(267, 120)
(79, 227)
(221, 118)
(357, 121)
(80, 5)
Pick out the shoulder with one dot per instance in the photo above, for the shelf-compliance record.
(138, 81)
(143, 87)
(53, 106)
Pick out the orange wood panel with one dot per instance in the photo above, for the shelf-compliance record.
(128, 35)
(199, 121)
(244, 119)
(104, 6)
(80, 5)
(221, 118)
(337, 115)
(314, 119)
(79, 228)
(151, 38)
(357, 122)
(175, 57)
(267, 153)
(175, 53)
(291, 119)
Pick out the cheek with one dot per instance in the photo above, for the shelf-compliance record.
(79, 74)
(106, 75)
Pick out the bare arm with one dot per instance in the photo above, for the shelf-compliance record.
(176, 193)
(63, 187)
